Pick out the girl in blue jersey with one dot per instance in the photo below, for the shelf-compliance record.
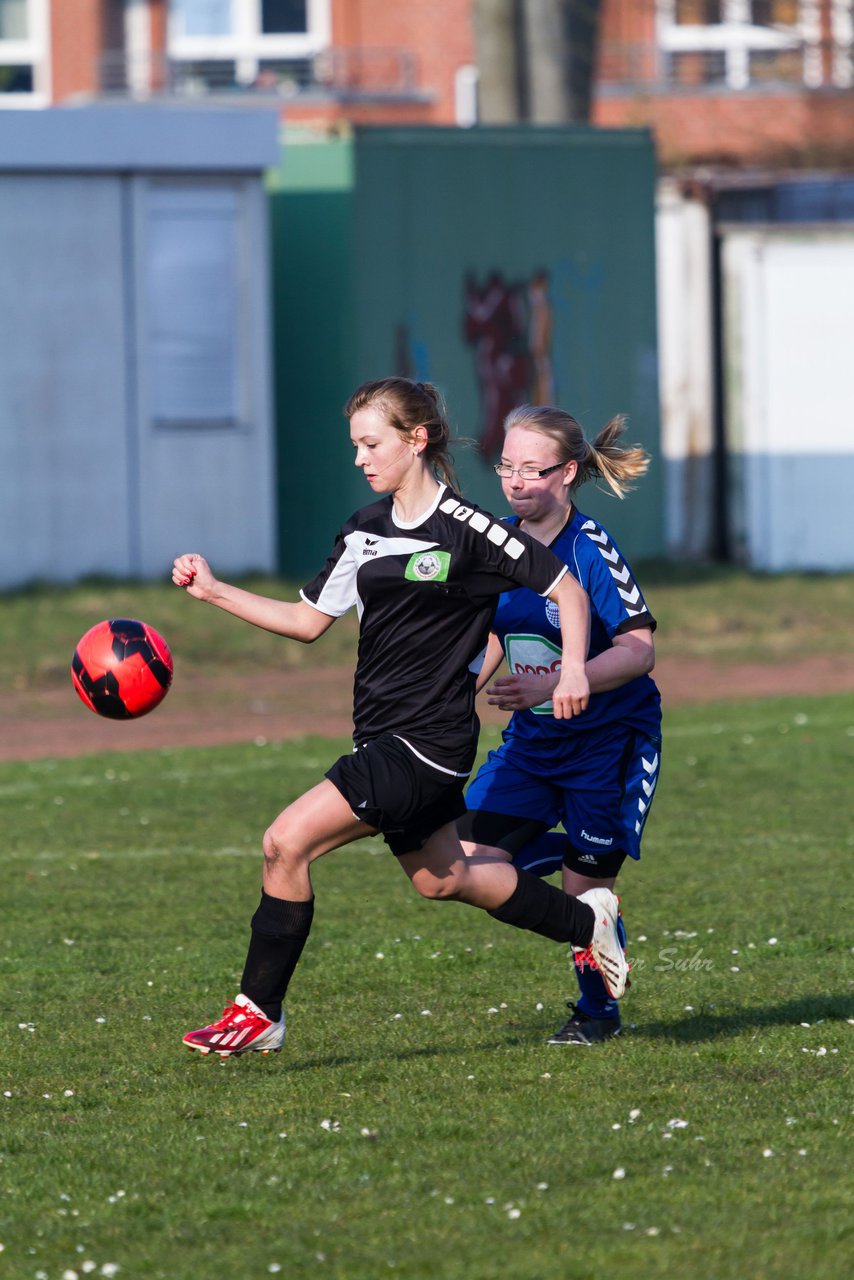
(424, 571)
(595, 774)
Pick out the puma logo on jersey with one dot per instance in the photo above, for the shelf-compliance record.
(497, 533)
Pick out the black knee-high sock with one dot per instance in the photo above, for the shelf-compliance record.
(280, 929)
(545, 909)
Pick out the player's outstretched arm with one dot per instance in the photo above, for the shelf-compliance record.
(296, 620)
(572, 692)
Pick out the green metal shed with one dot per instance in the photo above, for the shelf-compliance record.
(505, 265)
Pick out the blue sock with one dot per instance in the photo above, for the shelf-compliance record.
(543, 855)
(595, 1001)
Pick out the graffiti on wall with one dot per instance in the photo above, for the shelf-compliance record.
(509, 325)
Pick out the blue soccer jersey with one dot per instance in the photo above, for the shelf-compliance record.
(528, 627)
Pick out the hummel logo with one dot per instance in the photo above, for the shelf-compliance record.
(585, 835)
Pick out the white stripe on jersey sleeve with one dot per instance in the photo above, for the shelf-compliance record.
(340, 591)
(564, 571)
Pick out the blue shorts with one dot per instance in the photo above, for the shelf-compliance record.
(600, 787)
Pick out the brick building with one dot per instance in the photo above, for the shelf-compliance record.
(766, 82)
(327, 61)
(720, 81)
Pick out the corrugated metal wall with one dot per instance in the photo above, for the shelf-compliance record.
(135, 407)
(505, 265)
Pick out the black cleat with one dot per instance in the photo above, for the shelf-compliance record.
(582, 1029)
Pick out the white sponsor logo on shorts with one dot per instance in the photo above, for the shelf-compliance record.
(605, 840)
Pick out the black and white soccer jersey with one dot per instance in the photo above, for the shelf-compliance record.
(425, 594)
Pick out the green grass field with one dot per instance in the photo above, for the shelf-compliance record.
(721, 613)
(416, 1123)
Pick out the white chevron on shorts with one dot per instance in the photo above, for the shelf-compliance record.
(648, 785)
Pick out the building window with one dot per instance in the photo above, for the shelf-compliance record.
(265, 44)
(696, 13)
(23, 53)
(842, 37)
(740, 44)
(13, 19)
(201, 17)
(192, 302)
(284, 17)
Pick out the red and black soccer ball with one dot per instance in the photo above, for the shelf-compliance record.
(122, 668)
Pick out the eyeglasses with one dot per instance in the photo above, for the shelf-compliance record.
(525, 473)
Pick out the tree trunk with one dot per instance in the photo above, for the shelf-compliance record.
(536, 59)
(496, 31)
(546, 63)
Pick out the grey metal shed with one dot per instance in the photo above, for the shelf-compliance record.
(135, 383)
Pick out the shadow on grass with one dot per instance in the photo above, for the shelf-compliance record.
(712, 1026)
(700, 1026)
(406, 1055)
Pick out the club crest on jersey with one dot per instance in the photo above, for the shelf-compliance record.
(428, 566)
(552, 613)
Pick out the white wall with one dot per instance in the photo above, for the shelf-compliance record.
(684, 280)
(788, 326)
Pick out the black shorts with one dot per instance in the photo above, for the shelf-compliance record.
(399, 793)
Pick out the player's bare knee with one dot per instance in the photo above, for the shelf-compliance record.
(280, 851)
(438, 887)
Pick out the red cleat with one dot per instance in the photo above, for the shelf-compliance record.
(242, 1028)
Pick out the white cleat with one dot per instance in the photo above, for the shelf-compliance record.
(605, 951)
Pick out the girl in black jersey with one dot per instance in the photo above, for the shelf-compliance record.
(424, 570)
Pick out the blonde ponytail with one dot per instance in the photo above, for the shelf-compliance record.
(616, 464)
